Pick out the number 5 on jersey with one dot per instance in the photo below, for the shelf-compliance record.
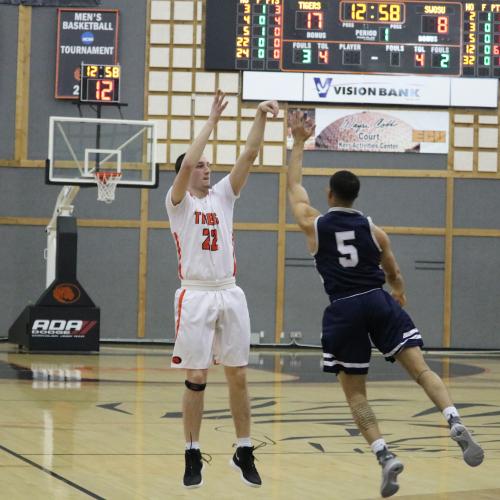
(210, 241)
(351, 258)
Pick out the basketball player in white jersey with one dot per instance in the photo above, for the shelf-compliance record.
(212, 323)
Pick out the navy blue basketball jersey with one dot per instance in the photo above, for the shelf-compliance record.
(348, 255)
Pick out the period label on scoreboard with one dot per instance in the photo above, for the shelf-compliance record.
(448, 38)
(83, 36)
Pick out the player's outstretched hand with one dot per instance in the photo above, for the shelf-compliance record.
(269, 107)
(301, 125)
(218, 106)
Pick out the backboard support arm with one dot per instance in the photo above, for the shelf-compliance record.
(64, 208)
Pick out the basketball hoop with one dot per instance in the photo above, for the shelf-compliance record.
(106, 185)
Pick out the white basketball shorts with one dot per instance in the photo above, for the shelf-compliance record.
(211, 327)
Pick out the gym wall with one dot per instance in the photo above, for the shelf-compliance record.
(440, 210)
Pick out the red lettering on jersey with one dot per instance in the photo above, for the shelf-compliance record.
(209, 219)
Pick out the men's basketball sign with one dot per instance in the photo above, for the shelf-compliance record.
(83, 37)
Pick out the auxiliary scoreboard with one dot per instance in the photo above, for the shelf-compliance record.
(454, 38)
(100, 83)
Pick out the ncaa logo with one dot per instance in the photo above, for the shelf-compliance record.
(87, 38)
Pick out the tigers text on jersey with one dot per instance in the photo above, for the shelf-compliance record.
(203, 232)
(348, 255)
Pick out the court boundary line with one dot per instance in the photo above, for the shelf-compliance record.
(51, 473)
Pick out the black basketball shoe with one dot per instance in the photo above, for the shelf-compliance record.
(194, 465)
(243, 460)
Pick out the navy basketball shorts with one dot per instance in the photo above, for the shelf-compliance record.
(352, 324)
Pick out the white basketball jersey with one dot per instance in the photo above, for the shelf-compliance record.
(203, 232)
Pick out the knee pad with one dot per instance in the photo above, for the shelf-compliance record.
(195, 387)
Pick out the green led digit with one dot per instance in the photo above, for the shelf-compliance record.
(445, 60)
(386, 34)
(261, 53)
(487, 60)
(262, 20)
(261, 42)
(306, 56)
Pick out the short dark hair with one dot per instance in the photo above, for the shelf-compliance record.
(178, 162)
(345, 185)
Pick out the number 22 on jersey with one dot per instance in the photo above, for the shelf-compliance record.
(349, 252)
(210, 241)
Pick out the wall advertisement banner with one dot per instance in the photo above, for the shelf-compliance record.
(376, 89)
(380, 131)
(328, 88)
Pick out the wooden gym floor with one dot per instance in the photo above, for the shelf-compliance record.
(109, 426)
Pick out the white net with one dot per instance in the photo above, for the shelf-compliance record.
(106, 185)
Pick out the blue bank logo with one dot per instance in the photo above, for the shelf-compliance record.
(87, 38)
(323, 86)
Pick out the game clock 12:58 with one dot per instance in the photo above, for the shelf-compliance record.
(372, 12)
(100, 83)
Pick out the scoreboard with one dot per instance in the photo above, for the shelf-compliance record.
(453, 38)
(481, 36)
(100, 83)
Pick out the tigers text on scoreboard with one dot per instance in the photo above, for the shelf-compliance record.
(454, 38)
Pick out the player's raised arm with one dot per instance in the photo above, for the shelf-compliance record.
(195, 151)
(305, 215)
(239, 173)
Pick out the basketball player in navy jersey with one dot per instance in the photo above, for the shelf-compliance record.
(354, 259)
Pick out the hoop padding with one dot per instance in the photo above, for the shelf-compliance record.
(106, 185)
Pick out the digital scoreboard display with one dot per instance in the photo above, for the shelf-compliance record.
(481, 35)
(100, 83)
(453, 38)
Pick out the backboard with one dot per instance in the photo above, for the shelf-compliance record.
(81, 147)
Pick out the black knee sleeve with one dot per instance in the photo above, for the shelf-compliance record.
(195, 387)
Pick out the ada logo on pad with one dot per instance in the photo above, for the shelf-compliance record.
(61, 327)
(87, 38)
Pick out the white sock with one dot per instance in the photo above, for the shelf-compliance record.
(194, 445)
(378, 445)
(449, 412)
(244, 442)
